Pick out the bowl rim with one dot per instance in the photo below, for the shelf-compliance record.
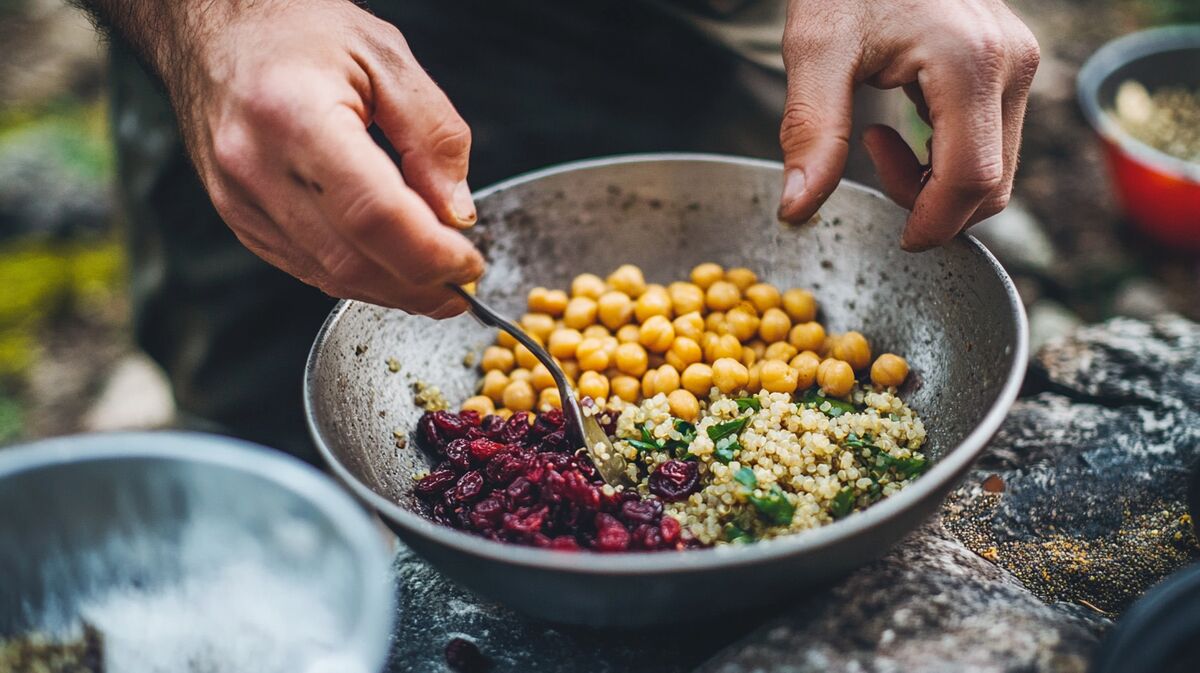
(944, 471)
(372, 624)
(1115, 54)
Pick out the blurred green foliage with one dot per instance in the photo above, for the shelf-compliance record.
(1167, 11)
(75, 132)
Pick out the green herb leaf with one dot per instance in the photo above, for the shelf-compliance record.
(813, 399)
(744, 403)
(734, 533)
(909, 467)
(894, 417)
(774, 507)
(843, 502)
(727, 428)
(726, 448)
(643, 446)
(647, 436)
(687, 430)
(745, 477)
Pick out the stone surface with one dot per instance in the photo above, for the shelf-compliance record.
(1075, 508)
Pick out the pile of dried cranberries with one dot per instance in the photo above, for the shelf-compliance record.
(521, 482)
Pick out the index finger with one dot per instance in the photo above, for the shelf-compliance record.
(967, 154)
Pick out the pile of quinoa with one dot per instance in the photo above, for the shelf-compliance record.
(794, 464)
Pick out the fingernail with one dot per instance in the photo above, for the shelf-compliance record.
(908, 244)
(463, 205)
(793, 189)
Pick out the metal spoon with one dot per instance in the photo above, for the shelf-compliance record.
(609, 462)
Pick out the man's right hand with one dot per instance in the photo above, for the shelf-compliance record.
(274, 99)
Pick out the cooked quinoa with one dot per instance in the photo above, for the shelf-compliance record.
(795, 467)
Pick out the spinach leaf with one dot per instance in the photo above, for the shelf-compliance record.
(744, 403)
(686, 429)
(726, 438)
(814, 400)
(736, 534)
(843, 502)
(745, 477)
(727, 428)
(642, 445)
(774, 506)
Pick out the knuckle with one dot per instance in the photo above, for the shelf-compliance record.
(451, 137)
(273, 99)
(232, 152)
(988, 52)
(801, 121)
(983, 179)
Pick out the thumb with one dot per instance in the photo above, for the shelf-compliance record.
(815, 134)
(433, 141)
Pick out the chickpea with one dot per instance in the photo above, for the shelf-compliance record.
(697, 379)
(592, 355)
(648, 383)
(715, 322)
(685, 297)
(595, 332)
(729, 375)
(504, 413)
(805, 364)
(690, 325)
(610, 346)
(704, 275)
(525, 357)
(614, 309)
(778, 377)
(480, 404)
(494, 383)
(628, 334)
(754, 383)
(550, 302)
(593, 385)
(854, 349)
(657, 334)
(774, 325)
(722, 296)
(742, 323)
(571, 369)
(683, 352)
(520, 374)
(588, 285)
(889, 370)
(505, 340)
(626, 387)
(628, 279)
(631, 359)
(563, 342)
(666, 380)
(683, 404)
(763, 296)
(580, 312)
(807, 336)
(749, 357)
(538, 324)
(725, 346)
(741, 277)
(781, 351)
(835, 377)
(498, 358)
(518, 396)
(759, 347)
(549, 398)
(654, 301)
(540, 377)
(800, 305)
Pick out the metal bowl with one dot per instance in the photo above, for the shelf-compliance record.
(952, 312)
(190, 553)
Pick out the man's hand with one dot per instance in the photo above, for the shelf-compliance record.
(967, 64)
(274, 99)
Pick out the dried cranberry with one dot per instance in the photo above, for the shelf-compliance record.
(526, 521)
(483, 449)
(674, 480)
(427, 434)
(521, 492)
(469, 487)
(564, 543)
(458, 452)
(516, 428)
(469, 416)
(449, 425)
(647, 536)
(486, 513)
(555, 441)
(669, 527)
(464, 657)
(492, 425)
(641, 511)
(435, 483)
(610, 534)
(505, 467)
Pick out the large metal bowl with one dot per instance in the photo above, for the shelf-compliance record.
(190, 552)
(952, 312)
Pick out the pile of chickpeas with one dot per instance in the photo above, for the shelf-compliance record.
(622, 337)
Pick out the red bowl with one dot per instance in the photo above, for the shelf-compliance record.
(1160, 193)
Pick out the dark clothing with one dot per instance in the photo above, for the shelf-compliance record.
(538, 82)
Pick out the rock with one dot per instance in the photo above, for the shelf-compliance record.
(1074, 509)
(136, 396)
(1049, 320)
(1016, 238)
(1141, 298)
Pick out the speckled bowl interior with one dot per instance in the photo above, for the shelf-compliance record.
(952, 312)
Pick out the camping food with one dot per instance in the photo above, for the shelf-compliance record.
(741, 419)
(41, 653)
(1167, 120)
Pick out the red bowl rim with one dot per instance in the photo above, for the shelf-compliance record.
(1116, 54)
